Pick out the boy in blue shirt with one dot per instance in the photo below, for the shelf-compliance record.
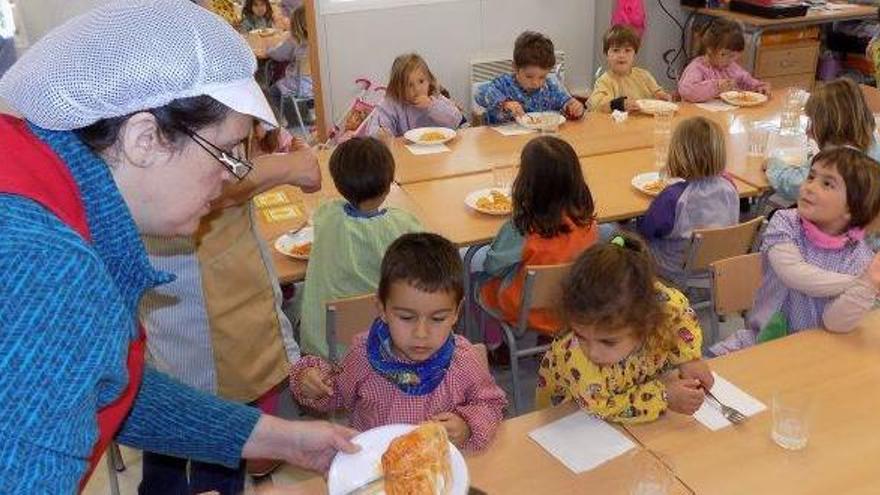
(528, 89)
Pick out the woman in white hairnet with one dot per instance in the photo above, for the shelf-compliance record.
(130, 116)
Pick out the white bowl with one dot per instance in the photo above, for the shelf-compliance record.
(541, 120)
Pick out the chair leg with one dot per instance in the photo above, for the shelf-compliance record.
(514, 368)
(714, 331)
(111, 473)
(283, 117)
(302, 124)
(116, 455)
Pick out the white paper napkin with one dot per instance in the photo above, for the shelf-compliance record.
(716, 106)
(427, 149)
(581, 441)
(710, 414)
(512, 129)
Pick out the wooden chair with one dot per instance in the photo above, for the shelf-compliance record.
(346, 318)
(541, 290)
(735, 281)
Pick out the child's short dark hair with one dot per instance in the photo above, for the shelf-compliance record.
(621, 35)
(723, 34)
(428, 262)
(611, 285)
(532, 48)
(550, 189)
(861, 174)
(362, 169)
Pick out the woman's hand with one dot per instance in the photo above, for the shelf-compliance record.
(662, 95)
(307, 444)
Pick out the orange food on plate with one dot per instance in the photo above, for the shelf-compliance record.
(432, 136)
(655, 186)
(495, 202)
(301, 249)
(418, 463)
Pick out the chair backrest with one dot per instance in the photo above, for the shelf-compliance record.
(542, 289)
(710, 245)
(348, 317)
(735, 281)
(482, 354)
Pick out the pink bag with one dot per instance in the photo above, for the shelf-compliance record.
(629, 13)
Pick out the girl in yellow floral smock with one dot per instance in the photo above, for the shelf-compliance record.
(632, 346)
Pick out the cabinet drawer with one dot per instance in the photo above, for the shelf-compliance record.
(803, 81)
(786, 60)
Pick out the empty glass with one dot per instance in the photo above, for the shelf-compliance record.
(791, 427)
(662, 137)
(651, 476)
(790, 120)
(503, 176)
(758, 136)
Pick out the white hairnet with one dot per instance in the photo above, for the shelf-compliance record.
(132, 55)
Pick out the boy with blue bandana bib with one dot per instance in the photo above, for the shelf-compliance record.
(409, 367)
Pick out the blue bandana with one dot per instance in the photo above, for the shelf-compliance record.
(411, 378)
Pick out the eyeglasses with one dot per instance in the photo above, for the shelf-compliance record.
(238, 167)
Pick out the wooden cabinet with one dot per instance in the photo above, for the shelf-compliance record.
(788, 64)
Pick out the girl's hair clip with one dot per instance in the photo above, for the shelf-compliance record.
(618, 240)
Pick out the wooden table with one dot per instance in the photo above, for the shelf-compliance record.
(840, 372)
(290, 270)
(476, 149)
(515, 464)
(442, 209)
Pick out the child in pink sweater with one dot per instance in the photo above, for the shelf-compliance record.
(717, 71)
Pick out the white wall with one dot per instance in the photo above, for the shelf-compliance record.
(448, 34)
(38, 17)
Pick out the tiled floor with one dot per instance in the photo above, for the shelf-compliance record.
(288, 475)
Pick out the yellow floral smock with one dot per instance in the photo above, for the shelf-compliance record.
(628, 391)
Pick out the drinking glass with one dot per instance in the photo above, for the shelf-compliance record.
(758, 136)
(662, 137)
(651, 476)
(503, 176)
(791, 426)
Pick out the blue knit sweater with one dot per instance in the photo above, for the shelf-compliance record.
(67, 316)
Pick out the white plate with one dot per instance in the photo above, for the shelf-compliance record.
(471, 200)
(736, 98)
(349, 471)
(415, 135)
(656, 106)
(264, 31)
(539, 120)
(640, 181)
(289, 241)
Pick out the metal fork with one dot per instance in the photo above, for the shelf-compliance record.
(731, 414)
